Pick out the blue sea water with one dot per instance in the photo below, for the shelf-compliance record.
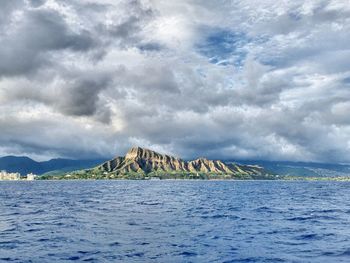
(174, 221)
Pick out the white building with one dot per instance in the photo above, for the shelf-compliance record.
(9, 176)
(31, 177)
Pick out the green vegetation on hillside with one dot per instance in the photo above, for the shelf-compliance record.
(95, 174)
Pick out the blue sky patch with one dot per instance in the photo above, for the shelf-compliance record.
(224, 47)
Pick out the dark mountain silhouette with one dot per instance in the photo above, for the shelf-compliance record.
(309, 169)
(25, 165)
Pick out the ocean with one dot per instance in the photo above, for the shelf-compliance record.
(174, 221)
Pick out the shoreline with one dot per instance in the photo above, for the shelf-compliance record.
(312, 179)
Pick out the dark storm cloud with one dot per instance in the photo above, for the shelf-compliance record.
(81, 95)
(27, 47)
(50, 137)
(127, 30)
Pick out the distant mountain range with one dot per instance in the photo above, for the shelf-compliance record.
(141, 163)
(25, 165)
(150, 162)
(307, 169)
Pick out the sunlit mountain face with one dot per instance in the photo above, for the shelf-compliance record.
(229, 80)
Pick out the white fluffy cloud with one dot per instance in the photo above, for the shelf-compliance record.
(231, 79)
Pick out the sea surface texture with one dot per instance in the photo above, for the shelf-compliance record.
(174, 221)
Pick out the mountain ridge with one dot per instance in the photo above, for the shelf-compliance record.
(25, 165)
(145, 161)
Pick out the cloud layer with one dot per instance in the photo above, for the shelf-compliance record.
(243, 79)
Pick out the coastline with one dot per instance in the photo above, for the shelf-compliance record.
(292, 179)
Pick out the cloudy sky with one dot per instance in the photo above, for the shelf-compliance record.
(238, 79)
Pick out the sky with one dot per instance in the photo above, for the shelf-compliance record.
(238, 79)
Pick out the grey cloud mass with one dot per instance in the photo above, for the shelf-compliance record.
(242, 79)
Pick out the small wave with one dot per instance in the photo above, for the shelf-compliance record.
(132, 223)
(8, 259)
(263, 209)
(308, 237)
(345, 253)
(312, 218)
(299, 218)
(188, 254)
(73, 258)
(313, 236)
(89, 253)
(137, 254)
(330, 211)
(149, 203)
(221, 216)
(90, 259)
(36, 212)
(115, 244)
(257, 259)
(142, 243)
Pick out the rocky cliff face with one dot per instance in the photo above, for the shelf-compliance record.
(145, 161)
